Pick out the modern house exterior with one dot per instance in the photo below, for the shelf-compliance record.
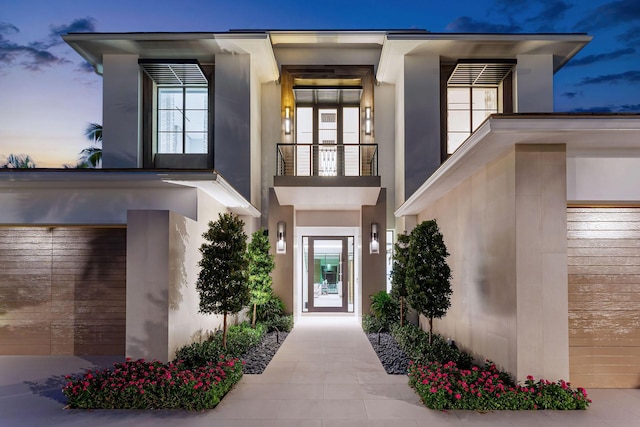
(336, 141)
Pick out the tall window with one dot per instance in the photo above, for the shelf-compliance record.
(467, 108)
(182, 120)
(327, 140)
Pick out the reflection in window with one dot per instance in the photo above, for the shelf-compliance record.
(182, 120)
(467, 108)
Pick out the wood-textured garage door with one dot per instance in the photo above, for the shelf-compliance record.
(604, 296)
(62, 290)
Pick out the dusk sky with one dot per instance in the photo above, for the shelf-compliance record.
(48, 96)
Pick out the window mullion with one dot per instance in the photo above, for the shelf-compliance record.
(184, 119)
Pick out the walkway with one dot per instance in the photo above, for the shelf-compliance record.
(325, 374)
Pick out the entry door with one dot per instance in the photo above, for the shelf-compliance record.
(328, 275)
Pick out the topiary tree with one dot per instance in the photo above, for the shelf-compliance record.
(222, 282)
(399, 273)
(428, 275)
(261, 265)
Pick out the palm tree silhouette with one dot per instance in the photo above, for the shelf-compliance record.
(18, 161)
(92, 156)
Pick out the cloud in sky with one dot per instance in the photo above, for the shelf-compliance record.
(465, 24)
(85, 67)
(590, 59)
(625, 108)
(552, 11)
(7, 28)
(631, 36)
(632, 77)
(571, 95)
(36, 55)
(599, 109)
(611, 14)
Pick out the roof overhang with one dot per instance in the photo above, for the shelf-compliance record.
(210, 182)
(453, 47)
(326, 192)
(286, 38)
(200, 46)
(602, 135)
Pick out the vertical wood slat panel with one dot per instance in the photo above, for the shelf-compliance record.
(604, 304)
(62, 290)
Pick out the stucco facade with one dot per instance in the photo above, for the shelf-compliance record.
(499, 187)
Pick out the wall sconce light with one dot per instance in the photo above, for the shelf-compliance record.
(374, 246)
(367, 120)
(287, 120)
(281, 244)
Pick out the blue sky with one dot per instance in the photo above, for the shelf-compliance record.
(48, 96)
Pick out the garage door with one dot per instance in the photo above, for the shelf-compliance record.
(62, 290)
(604, 296)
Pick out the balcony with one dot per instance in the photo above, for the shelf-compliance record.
(327, 160)
(327, 176)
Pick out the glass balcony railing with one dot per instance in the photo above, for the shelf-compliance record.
(327, 160)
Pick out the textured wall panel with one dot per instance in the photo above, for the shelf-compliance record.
(62, 290)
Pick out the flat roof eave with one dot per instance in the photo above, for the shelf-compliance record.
(597, 134)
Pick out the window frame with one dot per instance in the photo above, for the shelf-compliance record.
(183, 112)
(470, 111)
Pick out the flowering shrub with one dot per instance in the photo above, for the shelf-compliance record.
(154, 385)
(448, 387)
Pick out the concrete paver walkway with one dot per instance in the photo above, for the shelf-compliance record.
(325, 374)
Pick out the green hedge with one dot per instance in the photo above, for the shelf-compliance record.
(240, 338)
(415, 344)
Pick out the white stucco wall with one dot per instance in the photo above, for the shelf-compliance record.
(534, 84)
(90, 205)
(121, 106)
(399, 198)
(384, 131)
(185, 323)
(505, 228)
(421, 119)
(271, 129)
(611, 178)
(233, 114)
(163, 251)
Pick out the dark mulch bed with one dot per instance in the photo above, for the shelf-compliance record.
(392, 358)
(257, 359)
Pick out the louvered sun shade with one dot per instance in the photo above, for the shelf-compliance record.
(172, 72)
(327, 95)
(480, 73)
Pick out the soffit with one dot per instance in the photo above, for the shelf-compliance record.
(327, 198)
(453, 47)
(209, 181)
(200, 46)
(582, 134)
(327, 192)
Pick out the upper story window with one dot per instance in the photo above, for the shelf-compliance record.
(182, 120)
(475, 90)
(176, 115)
(467, 108)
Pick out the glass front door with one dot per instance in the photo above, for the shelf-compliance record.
(328, 270)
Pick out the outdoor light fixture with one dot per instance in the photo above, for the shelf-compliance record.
(374, 246)
(281, 245)
(287, 120)
(367, 120)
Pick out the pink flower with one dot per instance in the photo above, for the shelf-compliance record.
(458, 396)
